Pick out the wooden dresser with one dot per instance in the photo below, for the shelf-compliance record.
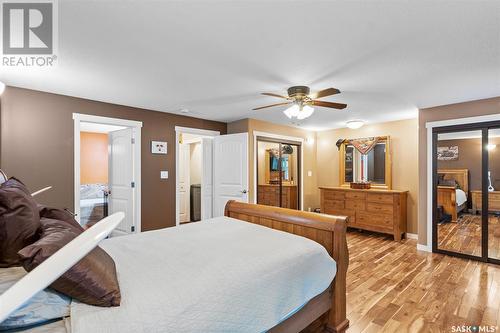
(270, 195)
(493, 201)
(375, 210)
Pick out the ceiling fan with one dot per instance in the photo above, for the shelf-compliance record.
(303, 101)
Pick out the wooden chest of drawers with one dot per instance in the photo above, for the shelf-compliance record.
(270, 195)
(375, 210)
(493, 201)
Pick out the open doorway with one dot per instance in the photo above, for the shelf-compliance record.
(107, 171)
(194, 174)
(94, 171)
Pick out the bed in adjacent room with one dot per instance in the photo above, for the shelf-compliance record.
(227, 274)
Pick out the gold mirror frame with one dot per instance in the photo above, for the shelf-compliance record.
(388, 165)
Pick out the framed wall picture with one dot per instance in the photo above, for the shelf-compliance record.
(447, 153)
(159, 147)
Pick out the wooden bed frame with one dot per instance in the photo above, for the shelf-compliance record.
(446, 195)
(326, 311)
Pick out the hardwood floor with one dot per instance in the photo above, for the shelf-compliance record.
(465, 235)
(392, 287)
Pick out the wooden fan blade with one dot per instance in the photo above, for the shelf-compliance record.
(269, 106)
(329, 104)
(274, 95)
(324, 93)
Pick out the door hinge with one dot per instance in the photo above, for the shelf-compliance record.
(133, 140)
(132, 228)
(132, 184)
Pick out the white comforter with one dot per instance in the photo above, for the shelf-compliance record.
(461, 197)
(218, 275)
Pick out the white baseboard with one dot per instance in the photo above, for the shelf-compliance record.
(422, 247)
(411, 236)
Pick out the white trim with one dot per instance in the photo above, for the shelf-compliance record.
(421, 247)
(278, 137)
(88, 118)
(411, 236)
(178, 130)
(196, 131)
(461, 121)
(136, 129)
(430, 126)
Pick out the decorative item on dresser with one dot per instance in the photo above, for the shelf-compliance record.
(374, 209)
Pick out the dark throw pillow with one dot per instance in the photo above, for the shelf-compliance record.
(92, 280)
(58, 214)
(19, 221)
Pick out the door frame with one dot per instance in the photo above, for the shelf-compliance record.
(136, 129)
(178, 131)
(430, 126)
(433, 128)
(278, 137)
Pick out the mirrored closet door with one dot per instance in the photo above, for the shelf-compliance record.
(466, 203)
(278, 173)
(493, 149)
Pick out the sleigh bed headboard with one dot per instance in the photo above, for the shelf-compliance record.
(461, 176)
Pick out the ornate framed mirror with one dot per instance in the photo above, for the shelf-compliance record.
(374, 166)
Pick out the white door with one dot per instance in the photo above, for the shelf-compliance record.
(206, 178)
(184, 169)
(230, 170)
(121, 179)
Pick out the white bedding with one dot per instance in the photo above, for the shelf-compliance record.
(218, 275)
(461, 197)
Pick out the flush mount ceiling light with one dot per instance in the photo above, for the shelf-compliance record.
(355, 124)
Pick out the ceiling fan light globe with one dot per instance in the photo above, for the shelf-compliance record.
(292, 111)
(306, 112)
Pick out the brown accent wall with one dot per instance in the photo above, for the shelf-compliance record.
(445, 112)
(311, 192)
(37, 146)
(93, 158)
(404, 142)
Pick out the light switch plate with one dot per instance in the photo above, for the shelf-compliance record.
(164, 174)
(309, 173)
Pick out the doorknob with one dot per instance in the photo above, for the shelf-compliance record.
(244, 191)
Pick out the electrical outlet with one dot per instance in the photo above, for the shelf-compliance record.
(163, 174)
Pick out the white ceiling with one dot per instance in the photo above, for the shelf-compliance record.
(214, 57)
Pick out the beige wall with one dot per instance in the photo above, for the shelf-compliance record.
(445, 112)
(311, 192)
(404, 142)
